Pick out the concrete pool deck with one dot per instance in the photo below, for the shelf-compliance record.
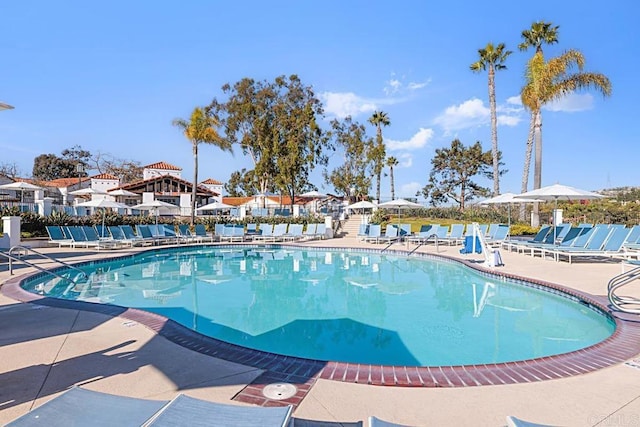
(44, 350)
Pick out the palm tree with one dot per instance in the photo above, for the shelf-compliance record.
(200, 128)
(392, 162)
(492, 58)
(540, 33)
(378, 153)
(548, 81)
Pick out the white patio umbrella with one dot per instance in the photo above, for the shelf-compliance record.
(88, 192)
(507, 199)
(399, 204)
(314, 194)
(20, 185)
(363, 204)
(122, 192)
(104, 204)
(557, 192)
(215, 206)
(156, 206)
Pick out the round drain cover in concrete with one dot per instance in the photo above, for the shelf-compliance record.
(279, 391)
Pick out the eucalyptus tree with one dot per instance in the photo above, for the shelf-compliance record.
(548, 81)
(492, 59)
(453, 170)
(378, 152)
(392, 162)
(200, 128)
(276, 124)
(540, 33)
(350, 138)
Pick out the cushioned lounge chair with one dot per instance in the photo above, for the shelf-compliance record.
(81, 407)
(185, 410)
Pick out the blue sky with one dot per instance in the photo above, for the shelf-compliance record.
(111, 76)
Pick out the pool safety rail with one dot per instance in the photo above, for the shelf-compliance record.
(626, 304)
(18, 252)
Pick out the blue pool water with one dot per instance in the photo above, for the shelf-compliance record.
(341, 305)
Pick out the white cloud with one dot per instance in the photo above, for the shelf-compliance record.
(514, 100)
(405, 160)
(473, 113)
(393, 86)
(572, 103)
(470, 113)
(409, 189)
(343, 104)
(419, 140)
(416, 85)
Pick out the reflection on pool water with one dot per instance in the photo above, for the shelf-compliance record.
(349, 306)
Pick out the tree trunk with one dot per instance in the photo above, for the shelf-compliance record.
(393, 190)
(527, 164)
(537, 170)
(194, 191)
(494, 131)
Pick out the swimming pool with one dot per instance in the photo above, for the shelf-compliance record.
(348, 306)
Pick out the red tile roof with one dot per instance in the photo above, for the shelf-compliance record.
(104, 176)
(163, 166)
(211, 181)
(64, 182)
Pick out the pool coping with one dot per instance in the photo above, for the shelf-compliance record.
(622, 345)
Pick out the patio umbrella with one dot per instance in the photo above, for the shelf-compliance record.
(104, 204)
(363, 204)
(315, 194)
(557, 192)
(215, 206)
(508, 199)
(122, 192)
(88, 192)
(399, 204)
(20, 185)
(155, 206)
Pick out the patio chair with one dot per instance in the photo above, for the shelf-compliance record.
(137, 238)
(198, 412)
(420, 238)
(201, 232)
(294, 232)
(81, 407)
(265, 232)
(310, 231)
(605, 241)
(391, 234)
(499, 236)
(185, 235)
(57, 236)
(455, 235)
(321, 230)
(363, 229)
(375, 232)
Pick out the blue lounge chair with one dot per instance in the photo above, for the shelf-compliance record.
(455, 235)
(391, 234)
(201, 232)
(321, 230)
(310, 231)
(375, 232)
(294, 232)
(363, 230)
(58, 237)
(499, 236)
(605, 242)
(421, 237)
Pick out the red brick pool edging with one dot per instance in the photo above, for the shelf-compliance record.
(619, 347)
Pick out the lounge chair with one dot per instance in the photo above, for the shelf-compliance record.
(321, 230)
(375, 232)
(454, 236)
(405, 231)
(118, 235)
(185, 235)
(58, 237)
(294, 232)
(391, 234)
(137, 238)
(426, 230)
(499, 236)
(185, 410)
(81, 407)
(363, 229)
(538, 238)
(201, 232)
(310, 231)
(605, 242)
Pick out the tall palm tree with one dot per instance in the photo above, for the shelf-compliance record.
(378, 153)
(548, 81)
(540, 33)
(392, 162)
(492, 58)
(200, 128)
